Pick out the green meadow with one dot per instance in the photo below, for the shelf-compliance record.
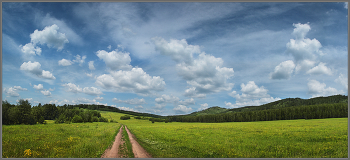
(75, 140)
(315, 138)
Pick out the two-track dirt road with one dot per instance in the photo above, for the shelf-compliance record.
(114, 151)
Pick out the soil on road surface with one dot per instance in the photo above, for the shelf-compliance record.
(113, 151)
(138, 151)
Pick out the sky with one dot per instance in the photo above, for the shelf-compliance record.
(173, 58)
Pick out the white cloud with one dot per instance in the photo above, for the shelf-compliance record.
(187, 102)
(34, 68)
(181, 109)
(72, 87)
(302, 48)
(130, 101)
(203, 107)
(30, 49)
(136, 81)
(126, 109)
(342, 80)
(205, 74)
(64, 62)
(320, 69)
(51, 89)
(49, 36)
(283, 70)
(317, 89)
(167, 99)
(39, 87)
(251, 95)
(109, 47)
(346, 5)
(179, 50)
(79, 59)
(46, 92)
(12, 91)
(99, 98)
(304, 65)
(89, 74)
(92, 91)
(115, 60)
(91, 65)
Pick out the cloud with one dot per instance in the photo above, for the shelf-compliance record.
(320, 69)
(79, 59)
(130, 101)
(46, 92)
(346, 5)
(167, 99)
(203, 107)
(115, 60)
(303, 48)
(304, 65)
(342, 80)
(34, 68)
(72, 88)
(251, 95)
(109, 47)
(205, 74)
(126, 108)
(65, 62)
(39, 87)
(99, 98)
(181, 109)
(12, 91)
(49, 36)
(135, 81)
(187, 102)
(317, 89)
(30, 49)
(91, 65)
(90, 75)
(92, 91)
(283, 70)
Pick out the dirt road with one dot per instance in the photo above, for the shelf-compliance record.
(113, 151)
(138, 151)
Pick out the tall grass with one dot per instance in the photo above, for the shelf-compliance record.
(76, 140)
(326, 138)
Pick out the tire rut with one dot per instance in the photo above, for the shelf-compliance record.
(113, 152)
(138, 151)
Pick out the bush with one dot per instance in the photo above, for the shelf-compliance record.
(103, 119)
(41, 120)
(77, 119)
(111, 120)
(94, 119)
(125, 117)
(60, 119)
(137, 117)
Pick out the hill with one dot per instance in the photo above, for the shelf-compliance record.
(211, 110)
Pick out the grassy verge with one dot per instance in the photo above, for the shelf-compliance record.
(76, 140)
(126, 148)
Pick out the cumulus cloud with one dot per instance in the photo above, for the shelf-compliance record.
(346, 5)
(49, 36)
(34, 68)
(205, 74)
(317, 89)
(92, 91)
(39, 87)
(99, 98)
(179, 50)
(126, 109)
(342, 80)
(91, 65)
(130, 101)
(320, 69)
(251, 95)
(181, 109)
(203, 107)
(136, 81)
(30, 49)
(303, 48)
(304, 65)
(109, 47)
(46, 92)
(283, 70)
(79, 59)
(12, 91)
(187, 102)
(89, 74)
(65, 62)
(115, 60)
(72, 87)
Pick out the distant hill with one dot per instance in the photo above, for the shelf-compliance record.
(211, 110)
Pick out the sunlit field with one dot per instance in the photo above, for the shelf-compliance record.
(75, 140)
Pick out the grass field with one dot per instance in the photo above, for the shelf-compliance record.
(75, 140)
(267, 139)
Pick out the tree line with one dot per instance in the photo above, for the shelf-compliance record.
(24, 113)
(319, 111)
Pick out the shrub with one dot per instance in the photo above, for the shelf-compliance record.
(137, 117)
(125, 117)
(41, 120)
(77, 119)
(103, 119)
(94, 119)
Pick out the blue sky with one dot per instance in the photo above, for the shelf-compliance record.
(173, 58)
